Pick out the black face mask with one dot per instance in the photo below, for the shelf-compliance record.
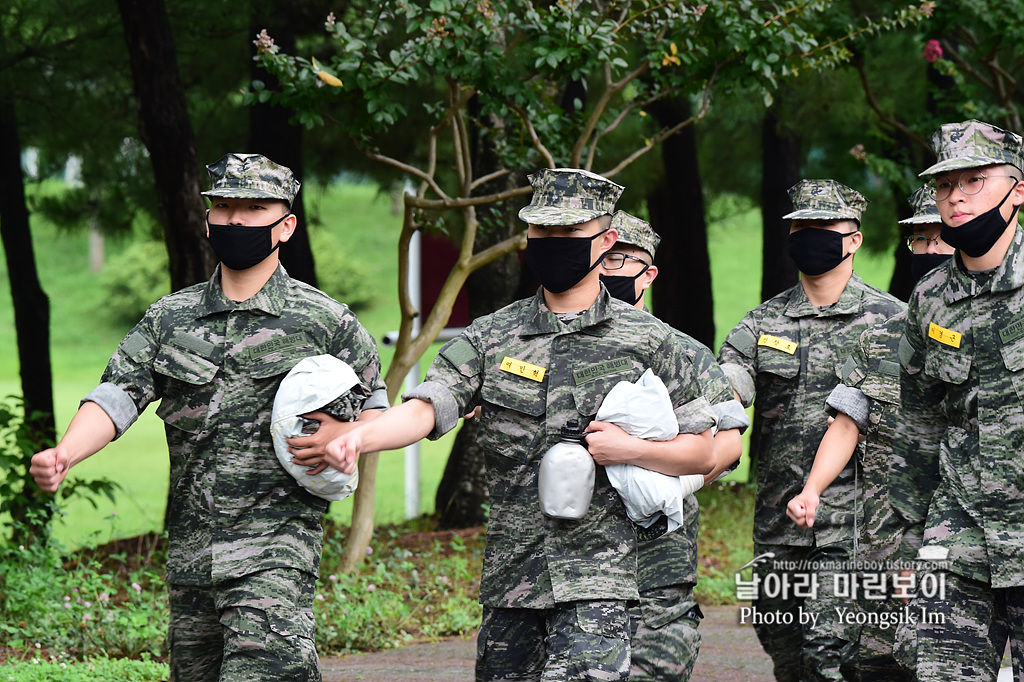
(560, 262)
(816, 250)
(923, 263)
(980, 233)
(239, 246)
(623, 287)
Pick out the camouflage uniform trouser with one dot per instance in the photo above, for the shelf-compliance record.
(258, 627)
(576, 641)
(962, 634)
(803, 634)
(666, 641)
(875, 660)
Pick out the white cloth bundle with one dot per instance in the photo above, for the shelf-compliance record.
(644, 409)
(310, 385)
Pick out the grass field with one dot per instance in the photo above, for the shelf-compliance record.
(353, 218)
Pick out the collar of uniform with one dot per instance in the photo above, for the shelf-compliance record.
(543, 321)
(1007, 277)
(269, 299)
(849, 301)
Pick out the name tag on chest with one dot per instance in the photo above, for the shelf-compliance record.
(777, 343)
(947, 337)
(522, 369)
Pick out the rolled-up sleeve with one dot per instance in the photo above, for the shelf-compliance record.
(852, 402)
(116, 403)
(731, 415)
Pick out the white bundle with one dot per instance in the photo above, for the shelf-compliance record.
(644, 409)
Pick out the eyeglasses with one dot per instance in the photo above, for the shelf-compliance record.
(970, 183)
(923, 240)
(614, 260)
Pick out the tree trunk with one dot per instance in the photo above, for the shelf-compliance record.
(682, 291)
(272, 135)
(780, 170)
(166, 130)
(462, 493)
(31, 305)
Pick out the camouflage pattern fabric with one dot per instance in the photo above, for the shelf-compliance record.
(216, 365)
(958, 469)
(972, 144)
(962, 634)
(963, 383)
(816, 645)
(794, 353)
(569, 196)
(825, 200)
(666, 641)
(925, 210)
(259, 627)
(251, 176)
(635, 232)
(586, 641)
(532, 372)
(872, 389)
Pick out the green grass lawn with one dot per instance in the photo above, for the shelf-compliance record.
(357, 221)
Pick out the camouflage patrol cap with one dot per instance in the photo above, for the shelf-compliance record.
(635, 232)
(569, 196)
(971, 144)
(925, 210)
(825, 200)
(251, 176)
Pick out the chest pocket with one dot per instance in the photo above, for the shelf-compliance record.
(279, 363)
(588, 395)
(883, 385)
(186, 401)
(1013, 359)
(952, 365)
(513, 415)
(777, 362)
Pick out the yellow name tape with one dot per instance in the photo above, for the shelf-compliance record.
(777, 343)
(523, 369)
(944, 336)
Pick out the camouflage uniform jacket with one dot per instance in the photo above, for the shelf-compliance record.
(870, 395)
(532, 561)
(959, 470)
(791, 354)
(215, 365)
(671, 559)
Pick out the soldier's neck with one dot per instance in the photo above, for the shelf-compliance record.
(241, 285)
(825, 289)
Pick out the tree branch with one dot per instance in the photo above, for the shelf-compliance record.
(887, 119)
(534, 138)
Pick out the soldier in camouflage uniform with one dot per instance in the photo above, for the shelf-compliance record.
(245, 538)
(865, 407)
(666, 640)
(555, 592)
(958, 476)
(790, 352)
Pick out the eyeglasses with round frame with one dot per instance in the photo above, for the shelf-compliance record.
(613, 260)
(969, 182)
(920, 238)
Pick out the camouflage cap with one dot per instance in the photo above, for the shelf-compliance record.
(635, 232)
(971, 144)
(825, 200)
(569, 196)
(251, 176)
(925, 210)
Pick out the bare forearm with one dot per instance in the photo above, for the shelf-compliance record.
(89, 432)
(834, 452)
(728, 449)
(397, 427)
(687, 453)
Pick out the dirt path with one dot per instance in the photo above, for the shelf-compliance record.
(730, 653)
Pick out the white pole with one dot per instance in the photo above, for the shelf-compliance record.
(412, 379)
